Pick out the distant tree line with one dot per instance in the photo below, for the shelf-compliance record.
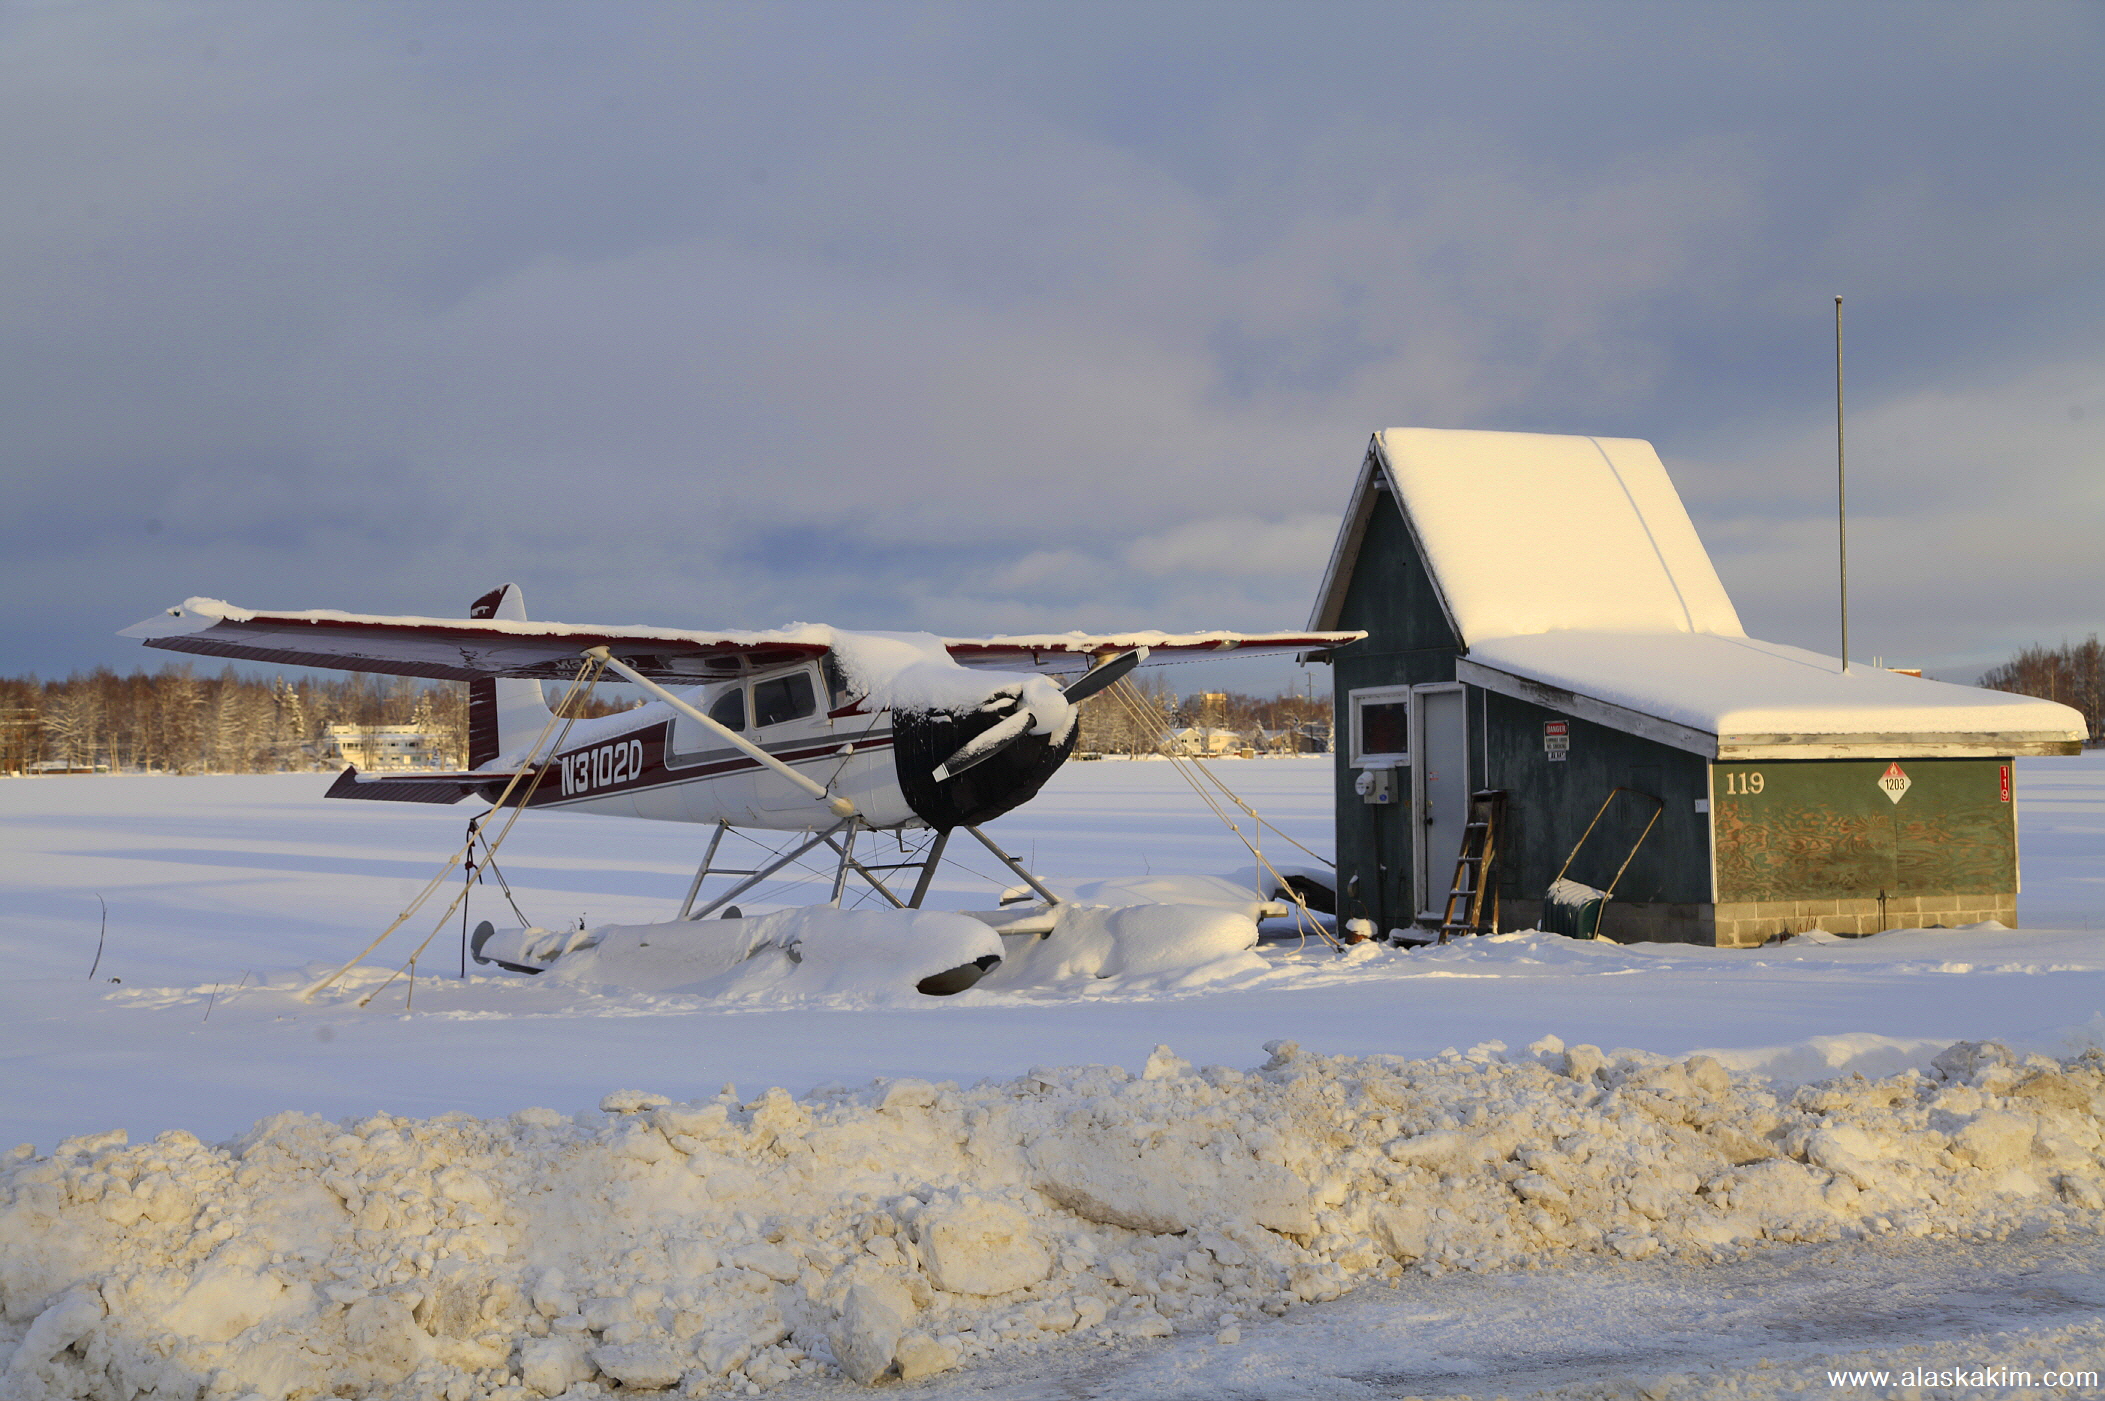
(2073, 673)
(1142, 723)
(174, 721)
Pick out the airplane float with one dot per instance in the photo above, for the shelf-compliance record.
(805, 729)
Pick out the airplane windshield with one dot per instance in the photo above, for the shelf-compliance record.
(838, 692)
(789, 697)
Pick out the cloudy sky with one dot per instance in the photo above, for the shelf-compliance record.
(990, 317)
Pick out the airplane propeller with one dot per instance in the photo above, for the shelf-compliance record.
(1013, 725)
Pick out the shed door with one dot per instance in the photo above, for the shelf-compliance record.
(1439, 789)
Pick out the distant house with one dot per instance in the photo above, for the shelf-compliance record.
(377, 748)
(1306, 738)
(1203, 741)
(1542, 620)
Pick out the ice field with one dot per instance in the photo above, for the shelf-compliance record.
(1480, 1211)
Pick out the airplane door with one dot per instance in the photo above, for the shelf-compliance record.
(1439, 789)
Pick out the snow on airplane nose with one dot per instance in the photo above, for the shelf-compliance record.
(961, 770)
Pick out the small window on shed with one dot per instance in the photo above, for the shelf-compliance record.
(1381, 732)
(790, 697)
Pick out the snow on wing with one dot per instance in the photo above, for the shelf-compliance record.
(1073, 651)
(464, 649)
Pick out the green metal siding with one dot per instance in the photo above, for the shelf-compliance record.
(1824, 829)
(1550, 803)
(1408, 643)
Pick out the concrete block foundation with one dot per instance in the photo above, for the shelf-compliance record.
(1751, 923)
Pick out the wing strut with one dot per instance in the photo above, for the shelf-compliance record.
(840, 807)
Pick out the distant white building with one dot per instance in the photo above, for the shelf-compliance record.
(377, 748)
(1204, 741)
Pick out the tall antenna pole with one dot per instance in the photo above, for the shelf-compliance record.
(1841, 486)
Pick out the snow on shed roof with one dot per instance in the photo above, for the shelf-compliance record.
(1573, 577)
(1533, 532)
(1740, 698)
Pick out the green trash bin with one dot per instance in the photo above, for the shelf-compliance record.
(1572, 909)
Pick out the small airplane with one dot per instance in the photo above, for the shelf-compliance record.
(801, 729)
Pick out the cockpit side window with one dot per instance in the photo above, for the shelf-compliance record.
(790, 697)
(730, 709)
(692, 741)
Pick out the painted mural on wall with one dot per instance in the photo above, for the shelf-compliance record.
(1856, 829)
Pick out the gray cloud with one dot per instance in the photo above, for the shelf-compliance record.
(996, 317)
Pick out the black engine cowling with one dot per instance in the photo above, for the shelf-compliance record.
(923, 739)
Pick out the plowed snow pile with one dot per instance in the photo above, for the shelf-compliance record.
(917, 1227)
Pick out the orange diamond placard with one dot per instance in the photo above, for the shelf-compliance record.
(1894, 783)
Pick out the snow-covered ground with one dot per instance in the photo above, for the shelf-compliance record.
(223, 892)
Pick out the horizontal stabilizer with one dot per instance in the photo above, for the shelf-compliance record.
(421, 787)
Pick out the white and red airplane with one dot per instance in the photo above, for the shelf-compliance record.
(801, 729)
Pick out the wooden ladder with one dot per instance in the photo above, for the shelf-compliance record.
(1466, 909)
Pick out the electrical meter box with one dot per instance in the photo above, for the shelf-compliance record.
(1376, 785)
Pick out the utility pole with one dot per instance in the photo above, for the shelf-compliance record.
(1841, 487)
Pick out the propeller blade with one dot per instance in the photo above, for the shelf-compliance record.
(988, 743)
(984, 746)
(1090, 682)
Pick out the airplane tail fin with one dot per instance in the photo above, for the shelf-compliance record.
(503, 713)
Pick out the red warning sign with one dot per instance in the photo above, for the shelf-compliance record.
(1894, 783)
(1556, 740)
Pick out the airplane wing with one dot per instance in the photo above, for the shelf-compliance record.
(1073, 651)
(467, 649)
(464, 649)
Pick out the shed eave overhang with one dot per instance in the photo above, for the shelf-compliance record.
(1948, 744)
(1585, 707)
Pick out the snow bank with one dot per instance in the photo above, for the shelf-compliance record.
(1156, 947)
(814, 951)
(913, 1227)
(1237, 892)
(859, 957)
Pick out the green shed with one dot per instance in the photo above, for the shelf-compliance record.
(1544, 622)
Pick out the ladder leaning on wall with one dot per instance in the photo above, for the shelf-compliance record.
(1468, 910)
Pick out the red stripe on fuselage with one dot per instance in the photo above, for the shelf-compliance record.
(636, 762)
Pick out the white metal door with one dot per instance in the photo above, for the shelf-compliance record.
(1439, 789)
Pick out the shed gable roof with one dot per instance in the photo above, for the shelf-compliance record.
(1532, 532)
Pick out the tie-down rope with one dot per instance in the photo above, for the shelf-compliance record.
(586, 679)
(1145, 716)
